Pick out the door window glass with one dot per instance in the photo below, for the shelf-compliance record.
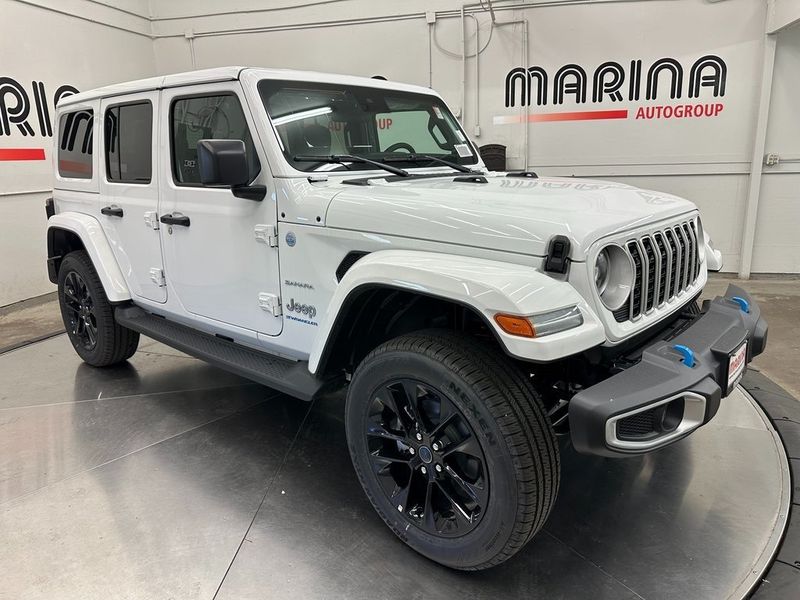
(218, 117)
(129, 143)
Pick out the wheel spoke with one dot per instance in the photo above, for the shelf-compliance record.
(411, 391)
(430, 517)
(454, 503)
(400, 495)
(468, 445)
(474, 492)
(387, 399)
(375, 430)
(443, 424)
(381, 463)
(404, 397)
(69, 294)
(90, 332)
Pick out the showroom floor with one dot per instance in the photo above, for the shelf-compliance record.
(166, 478)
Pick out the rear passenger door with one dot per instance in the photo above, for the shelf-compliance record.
(130, 192)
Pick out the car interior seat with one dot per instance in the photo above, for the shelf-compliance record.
(317, 140)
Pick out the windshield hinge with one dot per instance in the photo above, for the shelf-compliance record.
(267, 234)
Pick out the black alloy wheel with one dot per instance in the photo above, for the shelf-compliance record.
(427, 458)
(453, 447)
(82, 322)
(88, 315)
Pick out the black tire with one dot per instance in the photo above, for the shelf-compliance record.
(519, 477)
(88, 315)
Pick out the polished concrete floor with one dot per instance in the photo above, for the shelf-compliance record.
(166, 478)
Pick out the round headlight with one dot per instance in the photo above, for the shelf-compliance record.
(613, 276)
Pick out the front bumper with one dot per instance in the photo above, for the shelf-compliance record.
(661, 399)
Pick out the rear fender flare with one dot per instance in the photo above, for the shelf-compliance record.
(91, 234)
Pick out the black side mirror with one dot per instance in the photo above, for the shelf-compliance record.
(224, 163)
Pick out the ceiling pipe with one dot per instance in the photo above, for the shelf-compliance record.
(491, 10)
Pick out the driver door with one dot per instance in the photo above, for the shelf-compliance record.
(218, 260)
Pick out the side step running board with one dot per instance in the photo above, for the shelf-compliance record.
(287, 376)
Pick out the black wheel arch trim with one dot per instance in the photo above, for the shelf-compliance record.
(338, 327)
(57, 248)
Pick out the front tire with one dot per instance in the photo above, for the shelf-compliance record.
(88, 315)
(453, 448)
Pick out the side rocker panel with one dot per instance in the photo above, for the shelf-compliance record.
(487, 286)
(88, 229)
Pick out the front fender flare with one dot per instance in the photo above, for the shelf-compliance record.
(486, 286)
(94, 240)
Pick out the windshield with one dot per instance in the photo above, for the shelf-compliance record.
(318, 119)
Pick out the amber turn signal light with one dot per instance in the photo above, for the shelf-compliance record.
(515, 325)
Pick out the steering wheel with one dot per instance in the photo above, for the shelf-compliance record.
(401, 146)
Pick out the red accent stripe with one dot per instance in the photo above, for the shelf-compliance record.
(21, 153)
(588, 115)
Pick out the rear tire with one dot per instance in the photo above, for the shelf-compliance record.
(438, 411)
(88, 315)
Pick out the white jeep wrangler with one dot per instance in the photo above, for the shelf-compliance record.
(312, 231)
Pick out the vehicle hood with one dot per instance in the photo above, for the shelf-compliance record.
(510, 214)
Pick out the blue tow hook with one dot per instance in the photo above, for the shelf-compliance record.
(687, 355)
(743, 304)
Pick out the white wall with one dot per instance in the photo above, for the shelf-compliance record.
(54, 48)
(777, 239)
(706, 160)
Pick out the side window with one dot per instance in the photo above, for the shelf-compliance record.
(129, 143)
(205, 118)
(75, 144)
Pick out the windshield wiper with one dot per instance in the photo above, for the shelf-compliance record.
(344, 158)
(429, 158)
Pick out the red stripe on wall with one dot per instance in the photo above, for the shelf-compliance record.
(588, 115)
(21, 153)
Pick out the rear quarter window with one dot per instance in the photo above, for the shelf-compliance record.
(75, 141)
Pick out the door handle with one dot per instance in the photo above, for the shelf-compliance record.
(112, 211)
(182, 220)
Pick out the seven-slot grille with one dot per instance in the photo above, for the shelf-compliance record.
(665, 263)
